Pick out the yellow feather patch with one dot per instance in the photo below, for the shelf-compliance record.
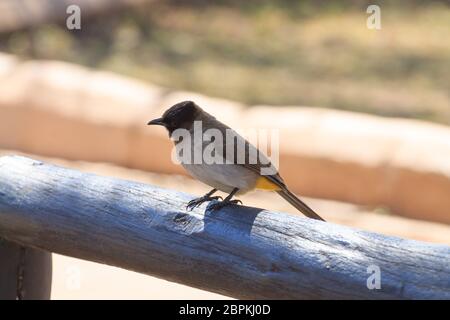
(265, 184)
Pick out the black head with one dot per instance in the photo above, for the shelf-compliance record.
(180, 115)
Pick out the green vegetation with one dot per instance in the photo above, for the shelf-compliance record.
(313, 53)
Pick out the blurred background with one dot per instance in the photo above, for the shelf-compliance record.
(317, 53)
(369, 108)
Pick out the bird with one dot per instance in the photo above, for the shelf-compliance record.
(230, 175)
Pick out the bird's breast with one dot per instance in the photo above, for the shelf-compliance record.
(224, 177)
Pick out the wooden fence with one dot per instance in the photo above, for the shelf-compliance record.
(239, 251)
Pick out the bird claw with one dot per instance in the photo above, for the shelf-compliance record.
(220, 205)
(194, 203)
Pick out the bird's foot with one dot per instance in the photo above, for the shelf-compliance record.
(224, 203)
(194, 203)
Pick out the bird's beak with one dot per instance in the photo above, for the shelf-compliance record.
(157, 121)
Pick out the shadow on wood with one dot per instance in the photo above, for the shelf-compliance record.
(238, 251)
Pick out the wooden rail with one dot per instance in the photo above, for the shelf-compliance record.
(238, 251)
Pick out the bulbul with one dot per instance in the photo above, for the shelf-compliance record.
(230, 175)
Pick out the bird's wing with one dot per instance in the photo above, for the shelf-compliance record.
(255, 160)
(274, 178)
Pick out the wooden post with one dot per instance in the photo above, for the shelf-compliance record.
(25, 273)
(238, 251)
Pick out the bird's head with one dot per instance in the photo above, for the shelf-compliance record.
(180, 115)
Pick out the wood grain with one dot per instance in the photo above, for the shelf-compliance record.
(238, 251)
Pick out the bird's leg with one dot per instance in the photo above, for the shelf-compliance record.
(198, 201)
(226, 201)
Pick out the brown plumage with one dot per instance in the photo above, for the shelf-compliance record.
(232, 176)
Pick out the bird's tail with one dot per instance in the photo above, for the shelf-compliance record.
(299, 204)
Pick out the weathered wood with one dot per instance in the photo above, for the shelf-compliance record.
(25, 273)
(238, 251)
